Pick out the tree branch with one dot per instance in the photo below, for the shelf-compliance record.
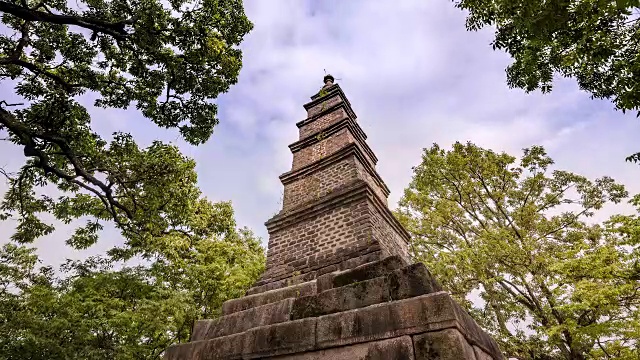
(495, 202)
(26, 137)
(36, 70)
(472, 212)
(24, 30)
(5, 173)
(526, 301)
(115, 30)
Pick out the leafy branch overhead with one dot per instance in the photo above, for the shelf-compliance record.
(596, 42)
(168, 60)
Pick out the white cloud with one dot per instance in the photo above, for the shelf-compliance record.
(414, 76)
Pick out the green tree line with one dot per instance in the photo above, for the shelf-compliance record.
(169, 60)
(517, 236)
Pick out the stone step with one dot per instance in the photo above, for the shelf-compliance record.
(434, 315)
(350, 263)
(360, 273)
(275, 285)
(325, 282)
(268, 297)
(399, 348)
(410, 281)
(241, 321)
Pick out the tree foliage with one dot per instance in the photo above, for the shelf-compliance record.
(594, 41)
(193, 259)
(597, 42)
(168, 59)
(552, 284)
(96, 312)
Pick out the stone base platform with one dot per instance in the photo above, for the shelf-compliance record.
(379, 310)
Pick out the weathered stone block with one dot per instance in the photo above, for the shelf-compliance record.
(324, 282)
(290, 337)
(268, 297)
(447, 344)
(476, 335)
(222, 348)
(480, 354)
(359, 272)
(367, 271)
(412, 280)
(284, 338)
(243, 320)
(361, 260)
(349, 297)
(328, 269)
(400, 348)
(391, 319)
(293, 280)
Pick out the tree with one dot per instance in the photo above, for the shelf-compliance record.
(95, 312)
(594, 41)
(597, 42)
(169, 59)
(551, 285)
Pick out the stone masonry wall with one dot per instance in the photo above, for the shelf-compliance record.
(389, 239)
(325, 147)
(319, 183)
(327, 103)
(321, 149)
(366, 176)
(322, 122)
(338, 234)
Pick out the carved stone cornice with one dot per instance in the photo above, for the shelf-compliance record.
(328, 110)
(328, 93)
(345, 122)
(350, 150)
(358, 190)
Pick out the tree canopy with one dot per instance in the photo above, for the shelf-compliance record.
(168, 59)
(549, 283)
(89, 310)
(595, 42)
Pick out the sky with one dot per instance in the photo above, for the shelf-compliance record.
(414, 77)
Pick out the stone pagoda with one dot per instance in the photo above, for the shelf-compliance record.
(339, 282)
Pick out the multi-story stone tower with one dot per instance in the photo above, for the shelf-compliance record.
(334, 212)
(338, 283)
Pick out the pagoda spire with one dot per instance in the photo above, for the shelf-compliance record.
(334, 213)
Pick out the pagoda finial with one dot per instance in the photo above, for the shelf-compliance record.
(328, 80)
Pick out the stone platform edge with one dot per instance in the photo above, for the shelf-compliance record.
(424, 314)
